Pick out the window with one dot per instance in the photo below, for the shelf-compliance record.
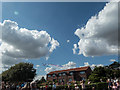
(49, 75)
(70, 79)
(60, 80)
(82, 72)
(53, 75)
(71, 73)
(64, 73)
(59, 74)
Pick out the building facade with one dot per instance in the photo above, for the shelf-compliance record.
(64, 76)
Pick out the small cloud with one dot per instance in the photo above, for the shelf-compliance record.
(16, 12)
(47, 57)
(38, 77)
(86, 64)
(37, 65)
(93, 65)
(74, 48)
(100, 65)
(74, 51)
(54, 44)
(97, 65)
(112, 60)
(68, 41)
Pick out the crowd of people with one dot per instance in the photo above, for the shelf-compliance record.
(113, 84)
(18, 86)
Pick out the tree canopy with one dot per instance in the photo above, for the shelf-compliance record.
(19, 72)
(111, 71)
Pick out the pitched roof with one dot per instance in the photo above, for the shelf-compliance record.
(73, 69)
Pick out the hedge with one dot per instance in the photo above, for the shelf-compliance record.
(101, 85)
(97, 86)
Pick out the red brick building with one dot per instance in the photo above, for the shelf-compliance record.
(64, 76)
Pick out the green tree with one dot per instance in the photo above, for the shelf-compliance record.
(20, 72)
(99, 73)
(116, 73)
(110, 71)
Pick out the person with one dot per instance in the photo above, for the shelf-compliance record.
(109, 84)
(46, 87)
(93, 88)
(114, 87)
(118, 85)
(22, 85)
(7, 87)
(17, 87)
(3, 86)
(13, 87)
(26, 87)
(76, 87)
(54, 86)
(69, 85)
(89, 81)
(33, 86)
(101, 80)
(83, 85)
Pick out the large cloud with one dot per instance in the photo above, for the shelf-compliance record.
(100, 34)
(21, 43)
(69, 65)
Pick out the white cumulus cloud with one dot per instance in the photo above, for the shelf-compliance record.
(100, 34)
(74, 48)
(37, 65)
(86, 64)
(93, 65)
(54, 44)
(68, 41)
(38, 77)
(69, 65)
(20, 43)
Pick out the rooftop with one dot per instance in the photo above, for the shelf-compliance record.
(73, 69)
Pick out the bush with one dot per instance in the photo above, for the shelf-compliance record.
(65, 87)
(61, 87)
(99, 86)
(88, 87)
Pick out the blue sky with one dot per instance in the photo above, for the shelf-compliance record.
(60, 20)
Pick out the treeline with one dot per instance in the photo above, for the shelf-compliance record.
(107, 72)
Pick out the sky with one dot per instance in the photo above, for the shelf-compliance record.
(67, 34)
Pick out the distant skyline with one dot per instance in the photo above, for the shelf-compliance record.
(68, 30)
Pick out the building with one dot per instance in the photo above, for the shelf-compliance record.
(64, 76)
